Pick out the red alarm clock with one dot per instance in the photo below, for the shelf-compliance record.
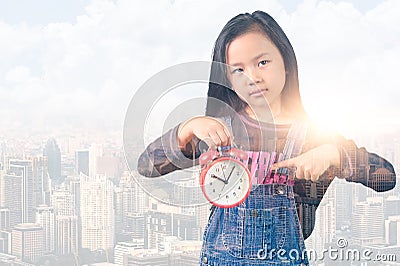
(224, 179)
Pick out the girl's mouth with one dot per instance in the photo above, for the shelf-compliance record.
(257, 92)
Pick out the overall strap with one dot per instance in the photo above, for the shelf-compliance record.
(294, 143)
(228, 121)
(295, 140)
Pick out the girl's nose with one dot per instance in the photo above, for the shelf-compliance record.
(254, 76)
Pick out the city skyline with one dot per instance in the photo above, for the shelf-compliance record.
(138, 224)
(67, 76)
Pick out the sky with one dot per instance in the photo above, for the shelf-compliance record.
(77, 64)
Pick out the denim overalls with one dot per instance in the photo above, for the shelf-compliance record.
(263, 230)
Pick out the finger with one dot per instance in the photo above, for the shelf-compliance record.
(299, 173)
(215, 138)
(314, 177)
(228, 134)
(223, 137)
(286, 163)
(307, 175)
(209, 142)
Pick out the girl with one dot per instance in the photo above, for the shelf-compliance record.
(253, 101)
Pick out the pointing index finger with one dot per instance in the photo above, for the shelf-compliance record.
(285, 163)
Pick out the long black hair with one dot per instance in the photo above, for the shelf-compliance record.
(219, 85)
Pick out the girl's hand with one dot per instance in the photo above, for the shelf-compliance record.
(312, 164)
(209, 129)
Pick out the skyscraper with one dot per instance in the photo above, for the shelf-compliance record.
(343, 201)
(67, 234)
(25, 187)
(97, 212)
(67, 222)
(74, 185)
(52, 151)
(123, 249)
(130, 200)
(41, 181)
(4, 218)
(11, 195)
(368, 223)
(95, 151)
(21, 171)
(5, 242)
(27, 241)
(45, 217)
(392, 230)
(82, 162)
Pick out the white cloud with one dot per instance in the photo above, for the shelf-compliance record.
(85, 73)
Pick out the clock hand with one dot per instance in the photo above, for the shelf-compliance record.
(223, 172)
(229, 176)
(220, 179)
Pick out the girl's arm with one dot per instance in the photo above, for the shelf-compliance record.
(164, 155)
(179, 147)
(328, 155)
(360, 166)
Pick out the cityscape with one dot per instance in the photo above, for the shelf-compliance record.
(69, 201)
(68, 72)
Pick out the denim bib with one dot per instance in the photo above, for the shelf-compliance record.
(263, 230)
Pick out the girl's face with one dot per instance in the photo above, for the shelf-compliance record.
(257, 71)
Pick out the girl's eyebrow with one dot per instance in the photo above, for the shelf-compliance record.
(260, 55)
(255, 58)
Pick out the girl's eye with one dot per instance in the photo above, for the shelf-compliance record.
(263, 63)
(237, 71)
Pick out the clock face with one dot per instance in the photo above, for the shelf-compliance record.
(226, 182)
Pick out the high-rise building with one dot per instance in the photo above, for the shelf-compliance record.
(27, 241)
(74, 185)
(325, 225)
(162, 224)
(67, 234)
(368, 223)
(82, 162)
(23, 170)
(4, 218)
(11, 197)
(343, 202)
(136, 225)
(392, 230)
(5, 242)
(97, 212)
(307, 205)
(381, 180)
(148, 257)
(63, 202)
(52, 151)
(3, 151)
(391, 206)
(45, 217)
(129, 200)
(67, 222)
(124, 248)
(41, 181)
(95, 151)
(25, 186)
